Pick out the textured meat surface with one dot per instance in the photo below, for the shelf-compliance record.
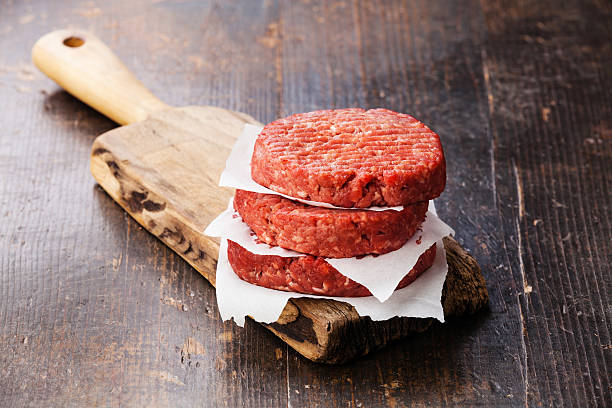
(331, 233)
(351, 158)
(307, 274)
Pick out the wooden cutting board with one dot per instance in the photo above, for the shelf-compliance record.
(163, 166)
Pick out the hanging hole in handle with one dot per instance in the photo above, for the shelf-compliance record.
(73, 42)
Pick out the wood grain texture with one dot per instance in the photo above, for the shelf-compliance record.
(550, 120)
(80, 328)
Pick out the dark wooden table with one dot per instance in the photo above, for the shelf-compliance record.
(94, 311)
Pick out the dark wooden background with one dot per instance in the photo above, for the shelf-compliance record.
(94, 311)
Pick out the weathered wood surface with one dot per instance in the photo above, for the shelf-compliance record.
(520, 95)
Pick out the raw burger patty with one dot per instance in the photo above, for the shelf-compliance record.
(307, 274)
(351, 158)
(327, 232)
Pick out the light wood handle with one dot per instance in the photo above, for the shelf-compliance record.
(84, 66)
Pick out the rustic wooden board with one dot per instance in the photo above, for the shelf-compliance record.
(163, 171)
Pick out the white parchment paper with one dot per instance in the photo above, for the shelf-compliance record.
(229, 225)
(237, 299)
(237, 172)
(380, 274)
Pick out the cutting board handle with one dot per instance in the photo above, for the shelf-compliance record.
(84, 66)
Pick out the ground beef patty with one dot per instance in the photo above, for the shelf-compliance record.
(351, 158)
(307, 274)
(327, 232)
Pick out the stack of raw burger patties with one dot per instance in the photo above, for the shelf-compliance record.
(352, 159)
